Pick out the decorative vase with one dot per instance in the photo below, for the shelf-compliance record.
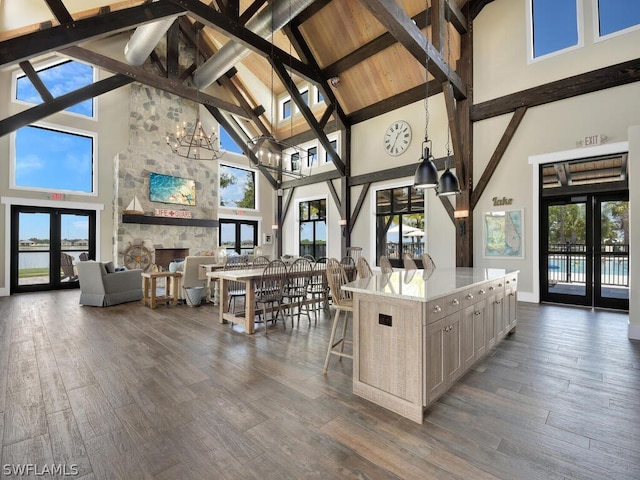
(173, 267)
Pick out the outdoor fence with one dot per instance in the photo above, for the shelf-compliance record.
(568, 264)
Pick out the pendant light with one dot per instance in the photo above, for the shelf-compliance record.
(426, 175)
(448, 183)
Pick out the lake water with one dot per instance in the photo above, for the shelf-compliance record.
(40, 259)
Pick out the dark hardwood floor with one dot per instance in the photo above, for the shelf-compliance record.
(127, 392)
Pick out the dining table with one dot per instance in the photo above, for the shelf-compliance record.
(251, 277)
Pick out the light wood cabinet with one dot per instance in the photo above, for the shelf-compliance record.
(409, 352)
(443, 355)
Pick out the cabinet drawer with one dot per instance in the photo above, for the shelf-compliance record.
(437, 309)
(511, 282)
(475, 294)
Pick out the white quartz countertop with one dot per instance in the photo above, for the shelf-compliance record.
(411, 284)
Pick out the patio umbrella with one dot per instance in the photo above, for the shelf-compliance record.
(405, 229)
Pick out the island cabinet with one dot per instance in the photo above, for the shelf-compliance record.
(414, 337)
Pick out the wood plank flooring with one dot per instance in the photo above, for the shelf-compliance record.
(127, 392)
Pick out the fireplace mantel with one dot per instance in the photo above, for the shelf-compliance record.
(181, 222)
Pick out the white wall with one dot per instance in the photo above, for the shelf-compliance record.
(634, 222)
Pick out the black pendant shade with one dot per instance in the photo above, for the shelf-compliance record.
(448, 184)
(427, 173)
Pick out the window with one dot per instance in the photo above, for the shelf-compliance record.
(238, 236)
(399, 223)
(617, 15)
(59, 79)
(51, 159)
(237, 187)
(312, 157)
(286, 109)
(305, 96)
(295, 161)
(227, 143)
(313, 228)
(334, 145)
(319, 97)
(555, 25)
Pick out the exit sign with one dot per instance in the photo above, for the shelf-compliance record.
(57, 196)
(592, 140)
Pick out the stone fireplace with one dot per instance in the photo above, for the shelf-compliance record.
(153, 114)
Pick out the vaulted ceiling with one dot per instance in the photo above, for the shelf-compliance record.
(366, 57)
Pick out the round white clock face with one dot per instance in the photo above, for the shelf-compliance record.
(397, 138)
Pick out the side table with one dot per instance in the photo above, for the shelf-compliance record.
(149, 287)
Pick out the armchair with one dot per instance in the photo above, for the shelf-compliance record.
(101, 288)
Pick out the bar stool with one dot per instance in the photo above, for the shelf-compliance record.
(342, 301)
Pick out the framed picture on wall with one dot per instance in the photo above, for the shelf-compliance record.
(503, 234)
(170, 189)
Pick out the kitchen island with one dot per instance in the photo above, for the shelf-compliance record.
(413, 336)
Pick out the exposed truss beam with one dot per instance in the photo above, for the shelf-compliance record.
(395, 19)
(360, 203)
(143, 76)
(59, 11)
(35, 80)
(593, 81)
(492, 166)
(58, 104)
(27, 46)
(239, 33)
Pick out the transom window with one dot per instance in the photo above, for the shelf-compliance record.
(399, 223)
(312, 157)
(616, 16)
(313, 228)
(227, 143)
(61, 78)
(54, 160)
(555, 26)
(237, 187)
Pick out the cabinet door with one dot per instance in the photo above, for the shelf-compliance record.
(452, 347)
(511, 301)
(500, 317)
(436, 381)
(467, 337)
(479, 329)
(490, 321)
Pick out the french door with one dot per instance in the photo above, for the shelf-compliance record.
(239, 236)
(46, 243)
(585, 250)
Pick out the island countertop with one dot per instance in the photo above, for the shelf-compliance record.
(412, 284)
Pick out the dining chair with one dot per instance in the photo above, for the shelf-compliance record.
(385, 265)
(270, 290)
(234, 289)
(363, 268)
(318, 286)
(260, 261)
(296, 289)
(343, 303)
(349, 266)
(309, 257)
(408, 262)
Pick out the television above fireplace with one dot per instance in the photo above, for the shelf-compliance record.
(170, 189)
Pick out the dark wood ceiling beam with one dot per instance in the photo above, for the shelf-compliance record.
(476, 6)
(456, 17)
(58, 104)
(359, 203)
(308, 136)
(311, 179)
(438, 25)
(391, 173)
(157, 63)
(36, 81)
(220, 118)
(25, 47)
(256, 43)
(492, 166)
(589, 82)
(369, 49)
(395, 19)
(193, 37)
(250, 11)
(562, 174)
(148, 78)
(392, 103)
(334, 194)
(309, 12)
(448, 207)
(454, 131)
(173, 51)
(301, 46)
(59, 11)
(308, 115)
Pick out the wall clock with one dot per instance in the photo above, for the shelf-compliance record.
(397, 138)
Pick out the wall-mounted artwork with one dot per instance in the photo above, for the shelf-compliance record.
(503, 234)
(169, 189)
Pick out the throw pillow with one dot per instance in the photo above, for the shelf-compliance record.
(108, 266)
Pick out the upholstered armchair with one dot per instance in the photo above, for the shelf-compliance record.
(101, 286)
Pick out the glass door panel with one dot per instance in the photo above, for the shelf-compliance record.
(34, 248)
(247, 236)
(228, 237)
(74, 244)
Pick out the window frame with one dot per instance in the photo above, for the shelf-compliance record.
(256, 186)
(62, 129)
(309, 200)
(51, 63)
(531, 58)
(596, 26)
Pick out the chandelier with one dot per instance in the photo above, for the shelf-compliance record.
(191, 141)
(274, 155)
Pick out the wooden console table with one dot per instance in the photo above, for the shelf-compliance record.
(150, 285)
